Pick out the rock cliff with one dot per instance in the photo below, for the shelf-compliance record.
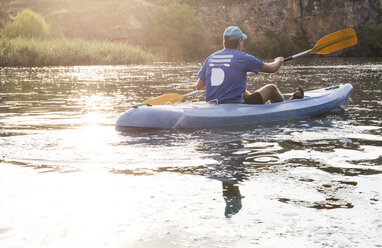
(311, 18)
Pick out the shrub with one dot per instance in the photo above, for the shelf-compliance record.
(177, 32)
(271, 47)
(373, 39)
(27, 24)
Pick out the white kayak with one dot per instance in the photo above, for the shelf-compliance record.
(205, 115)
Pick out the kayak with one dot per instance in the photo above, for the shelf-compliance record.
(206, 115)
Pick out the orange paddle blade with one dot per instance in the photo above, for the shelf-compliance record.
(166, 99)
(335, 41)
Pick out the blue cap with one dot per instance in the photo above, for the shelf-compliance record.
(234, 33)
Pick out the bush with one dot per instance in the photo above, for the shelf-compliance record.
(27, 24)
(274, 46)
(373, 40)
(177, 32)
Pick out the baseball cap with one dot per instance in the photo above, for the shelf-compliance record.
(234, 33)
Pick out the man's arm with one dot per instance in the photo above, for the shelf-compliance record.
(272, 67)
(200, 85)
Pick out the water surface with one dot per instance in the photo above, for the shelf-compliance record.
(69, 179)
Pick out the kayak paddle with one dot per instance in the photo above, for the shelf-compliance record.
(331, 42)
(169, 98)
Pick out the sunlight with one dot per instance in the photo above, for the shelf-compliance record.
(89, 139)
(85, 208)
(93, 106)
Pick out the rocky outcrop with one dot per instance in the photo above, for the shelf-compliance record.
(312, 18)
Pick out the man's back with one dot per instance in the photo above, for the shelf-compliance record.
(225, 75)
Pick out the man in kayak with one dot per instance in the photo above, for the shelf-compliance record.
(224, 73)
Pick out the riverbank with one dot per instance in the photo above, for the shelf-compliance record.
(130, 20)
(66, 52)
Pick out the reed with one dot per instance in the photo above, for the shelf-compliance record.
(65, 52)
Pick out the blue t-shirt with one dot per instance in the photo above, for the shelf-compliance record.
(225, 75)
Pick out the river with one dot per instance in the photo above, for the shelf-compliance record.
(69, 179)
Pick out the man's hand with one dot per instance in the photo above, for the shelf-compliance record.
(274, 66)
(200, 85)
(279, 59)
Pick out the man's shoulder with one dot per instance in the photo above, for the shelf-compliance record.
(229, 53)
(247, 57)
(232, 55)
(238, 54)
(220, 52)
(244, 54)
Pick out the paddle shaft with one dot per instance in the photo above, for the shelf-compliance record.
(166, 99)
(193, 93)
(297, 55)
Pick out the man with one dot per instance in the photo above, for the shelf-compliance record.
(224, 73)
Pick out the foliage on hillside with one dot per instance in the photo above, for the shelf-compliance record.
(274, 46)
(27, 24)
(373, 40)
(178, 32)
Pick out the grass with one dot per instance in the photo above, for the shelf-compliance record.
(65, 52)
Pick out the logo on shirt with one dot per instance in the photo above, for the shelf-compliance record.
(217, 74)
(221, 59)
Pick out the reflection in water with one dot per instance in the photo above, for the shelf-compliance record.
(276, 149)
(232, 198)
(248, 154)
(334, 193)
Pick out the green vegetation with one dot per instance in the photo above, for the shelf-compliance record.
(27, 42)
(31, 52)
(373, 40)
(177, 32)
(27, 24)
(274, 46)
(173, 32)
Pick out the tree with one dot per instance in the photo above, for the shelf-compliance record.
(27, 24)
(178, 32)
